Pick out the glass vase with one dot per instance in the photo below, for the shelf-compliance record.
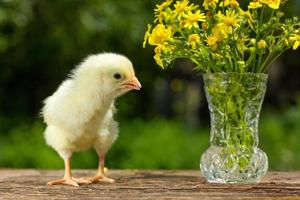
(234, 101)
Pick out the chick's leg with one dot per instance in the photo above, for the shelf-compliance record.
(101, 171)
(68, 179)
(100, 176)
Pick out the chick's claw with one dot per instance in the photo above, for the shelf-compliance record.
(101, 178)
(82, 181)
(106, 179)
(69, 181)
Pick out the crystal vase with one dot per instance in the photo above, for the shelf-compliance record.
(234, 101)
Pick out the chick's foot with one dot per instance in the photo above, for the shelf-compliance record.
(69, 181)
(99, 178)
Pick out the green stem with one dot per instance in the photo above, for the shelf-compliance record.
(251, 57)
(260, 55)
(258, 37)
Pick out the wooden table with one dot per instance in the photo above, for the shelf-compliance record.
(145, 184)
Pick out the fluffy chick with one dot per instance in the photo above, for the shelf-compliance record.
(79, 115)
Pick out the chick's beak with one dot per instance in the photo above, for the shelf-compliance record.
(132, 84)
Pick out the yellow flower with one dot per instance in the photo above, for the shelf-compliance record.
(248, 15)
(204, 26)
(211, 40)
(221, 31)
(147, 35)
(296, 39)
(194, 39)
(160, 12)
(210, 3)
(182, 23)
(254, 5)
(158, 49)
(230, 19)
(192, 19)
(160, 34)
(240, 43)
(224, 3)
(158, 60)
(271, 3)
(162, 16)
(161, 7)
(262, 44)
(180, 8)
(234, 3)
(157, 56)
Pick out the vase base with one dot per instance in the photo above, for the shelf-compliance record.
(230, 181)
(219, 166)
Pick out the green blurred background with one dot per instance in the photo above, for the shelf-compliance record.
(165, 125)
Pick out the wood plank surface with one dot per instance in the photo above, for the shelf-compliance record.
(144, 184)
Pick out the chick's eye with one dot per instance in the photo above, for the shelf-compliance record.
(117, 76)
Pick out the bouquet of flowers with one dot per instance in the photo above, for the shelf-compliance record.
(222, 36)
(233, 45)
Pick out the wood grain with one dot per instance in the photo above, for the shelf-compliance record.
(145, 184)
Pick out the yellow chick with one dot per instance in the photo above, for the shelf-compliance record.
(79, 115)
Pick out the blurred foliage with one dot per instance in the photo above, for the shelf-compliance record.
(150, 144)
(157, 143)
(42, 40)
